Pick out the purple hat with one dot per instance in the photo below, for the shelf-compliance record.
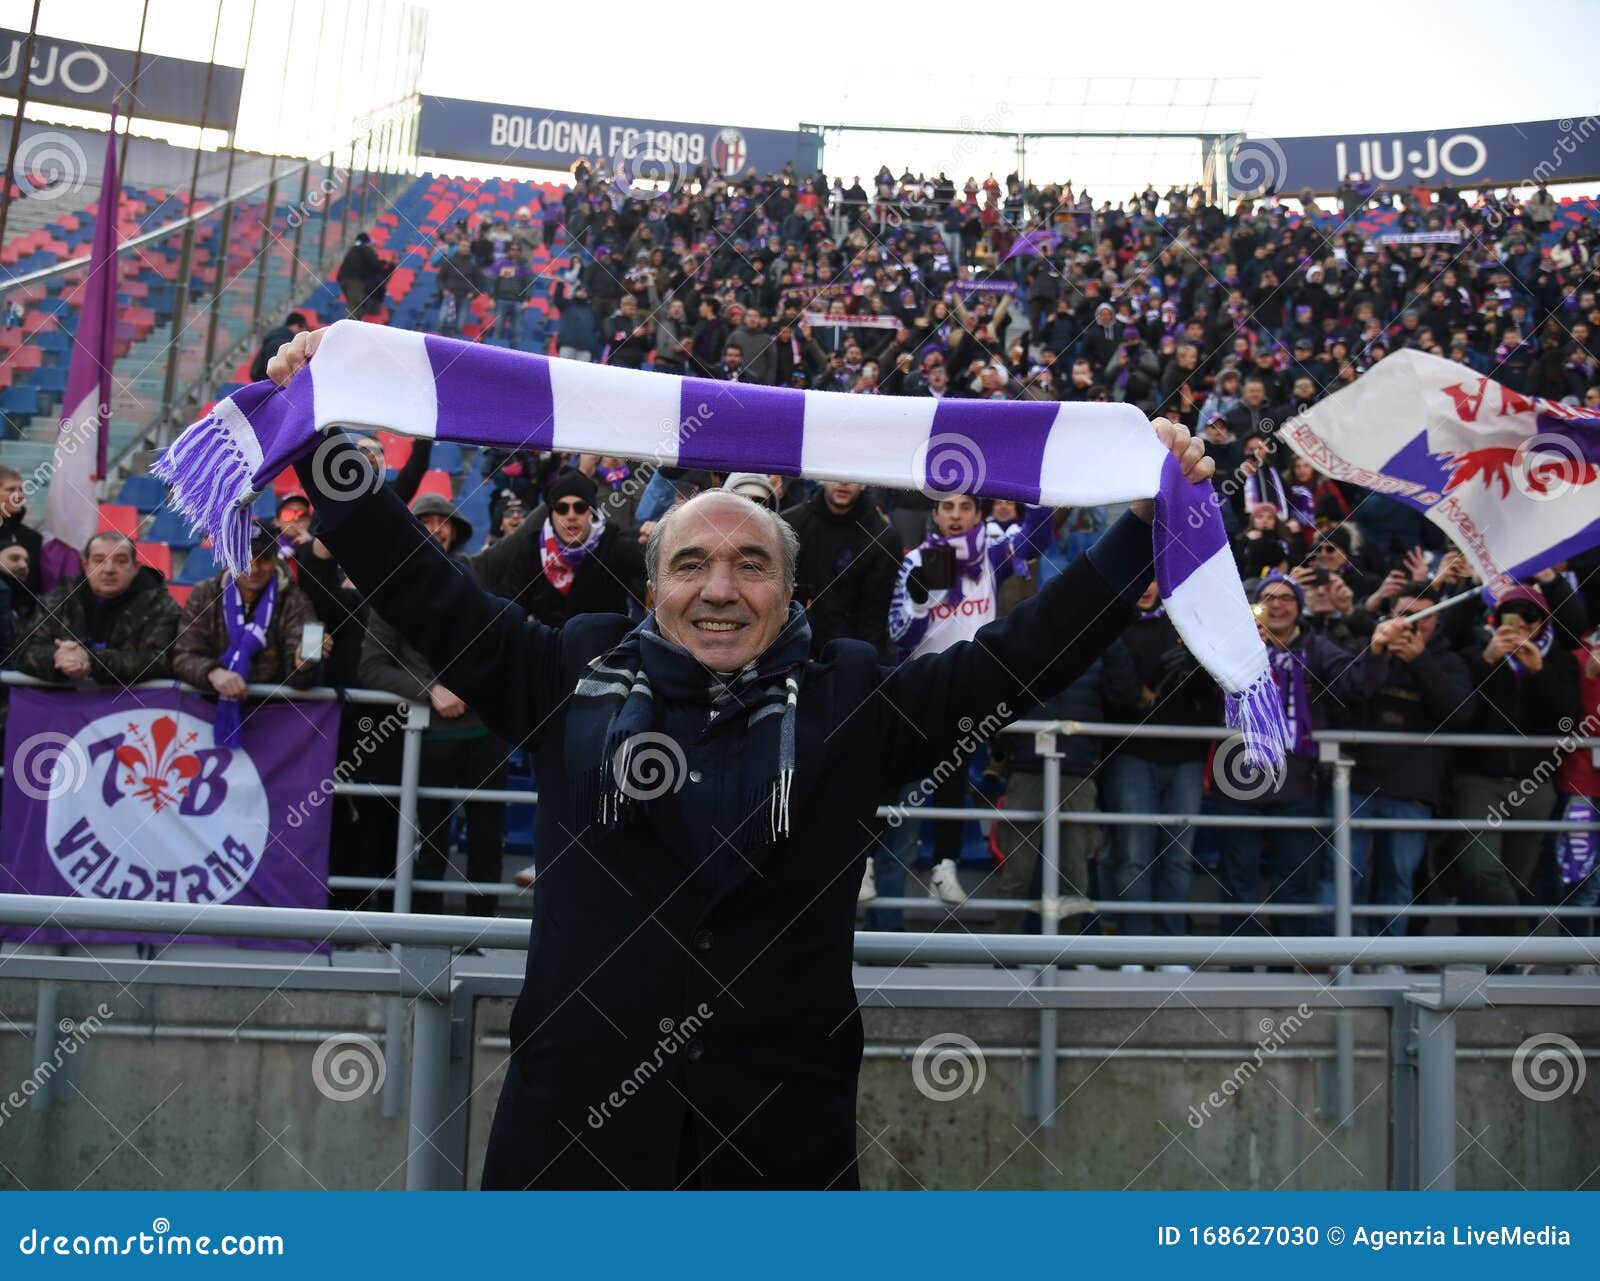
(1273, 576)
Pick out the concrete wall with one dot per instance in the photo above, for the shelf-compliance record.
(132, 1112)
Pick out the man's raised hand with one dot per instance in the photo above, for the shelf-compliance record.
(1189, 450)
(293, 355)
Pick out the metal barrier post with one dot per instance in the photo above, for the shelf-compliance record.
(1049, 917)
(44, 1041)
(299, 230)
(404, 870)
(269, 214)
(1402, 1097)
(427, 1166)
(1436, 1099)
(1344, 1032)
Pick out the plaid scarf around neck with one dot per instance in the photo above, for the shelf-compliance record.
(615, 705)
(1065, 454)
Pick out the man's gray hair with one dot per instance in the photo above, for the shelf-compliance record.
(769, 520)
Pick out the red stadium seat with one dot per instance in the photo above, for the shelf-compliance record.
(156, 555)
(438, 482)
(180, 592)
(286, 482)
(115, 517)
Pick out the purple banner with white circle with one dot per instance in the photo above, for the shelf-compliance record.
(126, 795)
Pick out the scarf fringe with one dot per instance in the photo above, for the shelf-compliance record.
(212, 487)
(1257, 713)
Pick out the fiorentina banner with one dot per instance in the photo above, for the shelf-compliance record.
(126, 795)
(1512, 479)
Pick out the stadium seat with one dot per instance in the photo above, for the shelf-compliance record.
(171, 528)
(266, 507)
(145, 493)
(158, 556)
(199, 566)
(115, 517)
(180, 592)
(437, 482)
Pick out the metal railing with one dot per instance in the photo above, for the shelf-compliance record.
(1341, 950)
(442, 988)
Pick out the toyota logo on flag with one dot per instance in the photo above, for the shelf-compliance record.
(728, 152)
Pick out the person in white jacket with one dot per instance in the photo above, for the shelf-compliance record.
(948, 588)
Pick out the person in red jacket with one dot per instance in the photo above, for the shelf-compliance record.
(1578, 800)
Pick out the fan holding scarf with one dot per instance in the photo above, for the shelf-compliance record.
(707, 789)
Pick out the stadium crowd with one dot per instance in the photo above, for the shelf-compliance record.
(1227, 320)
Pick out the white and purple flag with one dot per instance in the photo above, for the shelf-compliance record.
(1510, 478)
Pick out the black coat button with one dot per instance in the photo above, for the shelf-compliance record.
(702, 940)
(696, 1051)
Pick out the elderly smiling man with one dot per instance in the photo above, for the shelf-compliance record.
(688, 1018)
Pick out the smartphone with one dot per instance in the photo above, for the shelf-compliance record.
(1320, 577)
(938, 567)
(311, 643)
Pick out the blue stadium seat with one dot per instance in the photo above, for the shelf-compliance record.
(199, 566)
(266, 507)
(171, 528)
(146, 493)
(19, 405)
(446, 456)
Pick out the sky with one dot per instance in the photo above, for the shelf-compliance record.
(1268, 70)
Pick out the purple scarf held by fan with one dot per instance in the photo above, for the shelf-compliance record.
(246, 639)
(1039, 453)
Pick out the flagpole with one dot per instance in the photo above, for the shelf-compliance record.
(23, 76)
(133, 93)
(1442, 605)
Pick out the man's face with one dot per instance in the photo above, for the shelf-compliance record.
(719, 588)
(1280, 610)
(572, 518)
(841, 495)
(1304, 389)
(255, 579)
(11, 496)
(440, 528)
(938, 378)
(1081, 375)
(110, 568)
(1405, 606)
(956, 515)
(1254, 394)
(14, 560)
(627, 306)
(294, 518)
(733, 358)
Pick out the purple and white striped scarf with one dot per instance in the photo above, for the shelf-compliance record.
(246, 639)
(1066, 454)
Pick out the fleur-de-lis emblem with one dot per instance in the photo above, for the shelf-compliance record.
(158, 769)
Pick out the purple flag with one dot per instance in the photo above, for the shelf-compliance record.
(1041, 240)
(72, 510)
(126, 795)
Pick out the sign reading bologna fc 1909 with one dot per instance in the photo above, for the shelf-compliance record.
(650, 151)
(128, 796)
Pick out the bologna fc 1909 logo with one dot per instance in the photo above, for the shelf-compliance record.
(728, 151)
(159, 811)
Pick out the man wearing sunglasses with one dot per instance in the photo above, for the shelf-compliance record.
(566, 558)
